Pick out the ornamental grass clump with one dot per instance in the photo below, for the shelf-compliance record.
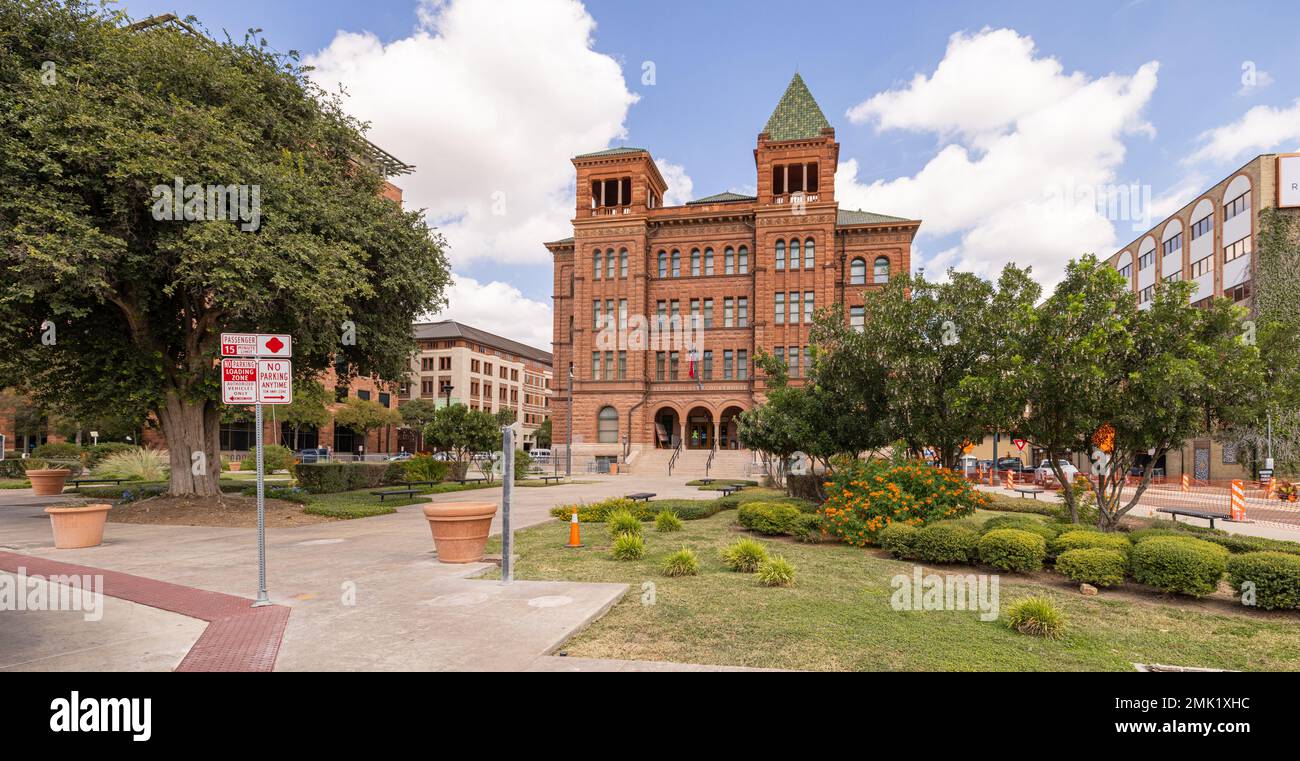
(776, 572)
(1037, 617)
(681, 563)
(744, 555)
(667, 521)
(622, 522)
(628, 547)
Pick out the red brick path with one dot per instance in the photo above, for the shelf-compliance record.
(238, 637)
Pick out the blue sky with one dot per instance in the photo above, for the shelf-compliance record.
(1151, 79)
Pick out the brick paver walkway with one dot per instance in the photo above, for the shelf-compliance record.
(238, 637)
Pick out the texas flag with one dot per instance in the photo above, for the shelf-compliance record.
(690, 370)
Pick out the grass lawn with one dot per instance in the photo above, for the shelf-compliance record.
(15, 483)
(838, 614)
(363, 504)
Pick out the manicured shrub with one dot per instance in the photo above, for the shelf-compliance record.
(98, 452)
(423, 467)
(1275, 575)
(1012, 550)
(1182, 565)
(276, 457)
(1079, 540)
(597, 512)
(333, 477)
(628, 547)
(667, 521)
(771, 518)
(134, 465)
(945, 542)
(776, 572)
(33, 463)
(681, 563)
(744, 555)
(1048, 531)
(808, 528)
(898, 539)
(59, 450)
(622, 522)
(864, 496)
(1036, 616)
(1093, 565)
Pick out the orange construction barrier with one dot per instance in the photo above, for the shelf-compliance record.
(1187, 482)
(1010, 481)
(1268, 489)
(575, 535)
(1237, 501)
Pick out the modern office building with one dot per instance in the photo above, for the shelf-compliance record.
(459, 364)
(660, 310)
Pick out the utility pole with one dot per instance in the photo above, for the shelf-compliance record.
(568, 449)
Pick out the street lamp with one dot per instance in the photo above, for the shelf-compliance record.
(446, 391)
(568, 449)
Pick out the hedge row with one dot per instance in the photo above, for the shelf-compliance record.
(333, 477)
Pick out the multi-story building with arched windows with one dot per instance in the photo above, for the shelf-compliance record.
(660, 310)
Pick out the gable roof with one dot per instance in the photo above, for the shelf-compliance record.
(727, 197)
(797, 115)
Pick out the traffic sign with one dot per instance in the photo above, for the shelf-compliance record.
(238, 381)
(1020, 444)
(256, 345)
(275, 381)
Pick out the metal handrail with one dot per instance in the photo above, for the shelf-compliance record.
(677, 450)
(709, 463)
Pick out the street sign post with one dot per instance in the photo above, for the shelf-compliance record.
(255, 369)
(2, 446)
(1020, 444)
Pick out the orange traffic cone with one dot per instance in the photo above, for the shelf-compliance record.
(575, 537)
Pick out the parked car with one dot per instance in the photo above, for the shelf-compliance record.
(320, 454)
(444, 456)
(1044, 470)
(399, 457)
(1014, 464)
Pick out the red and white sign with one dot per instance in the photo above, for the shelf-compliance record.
(275, 381)
(1020, 444)
(256, 345)
(238, 381)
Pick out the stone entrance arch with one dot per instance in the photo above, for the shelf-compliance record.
(728, 427)
(667, 428)
(701, 431)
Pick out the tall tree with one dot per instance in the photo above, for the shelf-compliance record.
(364, 416)
(105, 303)
(462, 431)
(418, 412)
(309, 408)
(542, 436)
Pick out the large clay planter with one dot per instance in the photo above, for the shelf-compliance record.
(48, 482)
(76, 527)
(460, 529)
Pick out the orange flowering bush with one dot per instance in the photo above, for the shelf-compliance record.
(864, 497)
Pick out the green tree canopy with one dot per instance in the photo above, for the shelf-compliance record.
(103, 306)
(462, 431)
(365, 415)
(417, 412)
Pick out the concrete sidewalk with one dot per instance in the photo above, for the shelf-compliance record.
(364, 594)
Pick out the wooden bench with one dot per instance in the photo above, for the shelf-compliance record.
(640, 496)
(395, 492)
(1034, 490)
(77, 483)
(1177, 511)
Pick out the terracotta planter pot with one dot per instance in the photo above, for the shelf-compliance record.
(460, 529)
(234, 467)
(76, 527)
(48, 482)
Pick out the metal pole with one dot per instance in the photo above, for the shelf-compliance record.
(262, 599)
(507, 491)
(568, 449)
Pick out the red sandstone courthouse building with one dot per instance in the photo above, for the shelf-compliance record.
(750, 270)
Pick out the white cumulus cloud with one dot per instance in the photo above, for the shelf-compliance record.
(680, 186)
(1259, 130)
(1025, 150)
(498, 308)
(490, 100)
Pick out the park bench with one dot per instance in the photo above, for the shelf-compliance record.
(417, 483)
(1177, 511)
(78, 482)
(463, 481)
(394, 493)
(705, 481)
(640, 496)
(548, 479)
(730, 489)
(1034, 490)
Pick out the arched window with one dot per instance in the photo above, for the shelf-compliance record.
(794, 254)
(677, 263)
(729, 261)
(622, 262)
(607, 426)
(695, 262)
(708, 261)
(609, 263)
(808, 254)
(857, 272)
(780, 254)
(595, 264)
(882, 269)
(742, 261)
(663, 264)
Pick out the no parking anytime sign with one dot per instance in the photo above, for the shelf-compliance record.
(249, 381)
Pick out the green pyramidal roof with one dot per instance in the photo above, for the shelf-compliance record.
(797, 116)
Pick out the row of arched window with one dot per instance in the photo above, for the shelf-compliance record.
(809, 254)
(735, 261)
(858, 271)
(609, 265)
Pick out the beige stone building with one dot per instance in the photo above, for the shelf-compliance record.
(459, 364)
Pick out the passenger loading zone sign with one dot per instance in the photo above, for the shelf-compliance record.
(248, 381)
(276, 345)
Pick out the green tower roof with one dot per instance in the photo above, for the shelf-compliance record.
(797, 116)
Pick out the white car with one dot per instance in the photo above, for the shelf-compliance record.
(1044, 470)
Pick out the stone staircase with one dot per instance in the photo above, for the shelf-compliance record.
(690, 465)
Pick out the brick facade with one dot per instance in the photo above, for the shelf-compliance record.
(632, 259)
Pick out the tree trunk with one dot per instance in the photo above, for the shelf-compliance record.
(192, 426)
